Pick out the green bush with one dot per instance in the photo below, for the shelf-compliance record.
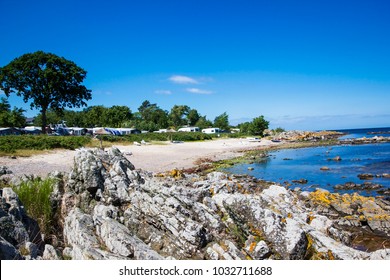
(41, 142)
(35, 196)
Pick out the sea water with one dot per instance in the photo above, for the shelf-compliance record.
(284, 166)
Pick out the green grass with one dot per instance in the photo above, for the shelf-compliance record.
(35, 196)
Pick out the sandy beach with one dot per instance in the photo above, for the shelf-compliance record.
(153, 157)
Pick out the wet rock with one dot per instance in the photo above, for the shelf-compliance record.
(365, 176)
(336, 158)
(300, 181)
(325, 168)
(368, 186)
(384, 191)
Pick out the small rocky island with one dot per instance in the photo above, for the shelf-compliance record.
(106, 209)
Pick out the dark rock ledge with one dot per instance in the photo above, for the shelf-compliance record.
(110, 210)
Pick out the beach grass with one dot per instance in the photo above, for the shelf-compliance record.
(35, 196)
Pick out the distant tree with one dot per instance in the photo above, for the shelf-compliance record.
(192, 117)
(52, 117)
(116, 115)
(94, 116)
(279, 130)
(11, 118)
(203, 122)
(244, 127)
(177, 116)
(222, 121)
(74, 118)
(258, 125)
(47, 80)
(153, 116)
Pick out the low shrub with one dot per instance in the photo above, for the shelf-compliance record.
(12, 143)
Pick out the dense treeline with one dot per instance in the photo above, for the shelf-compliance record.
(149, 117)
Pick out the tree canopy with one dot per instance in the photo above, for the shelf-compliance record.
(256, 127)
(222, 121)
(45, 80)
(10, 118)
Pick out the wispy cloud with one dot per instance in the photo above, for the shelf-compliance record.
(199, 91)
(178, 79)
(163, 91)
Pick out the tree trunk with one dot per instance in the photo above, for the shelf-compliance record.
(44, 120)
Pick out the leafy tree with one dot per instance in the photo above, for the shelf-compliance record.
(47, 80)
(193, 116)
(222, 121)
(152, 117)
(11, 118)
(116, 115)
(244, 127)
(178, 114)
(74, 118)
(93, 116)
(52, 117)
(279, 130)
(258, 125)
(203, 122)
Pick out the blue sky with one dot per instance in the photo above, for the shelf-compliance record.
(301, 64)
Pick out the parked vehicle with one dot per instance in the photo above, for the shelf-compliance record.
(211, 130)
(189, 129)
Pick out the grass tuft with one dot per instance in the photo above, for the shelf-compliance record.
(35, 196)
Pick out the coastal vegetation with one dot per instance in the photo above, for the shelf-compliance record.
(35, 196)
(10, 118)
(10, 144)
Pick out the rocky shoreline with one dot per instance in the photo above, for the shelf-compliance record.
(106, 209)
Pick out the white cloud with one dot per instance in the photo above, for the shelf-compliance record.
(199, 91)
(177, 79)
(163, 91)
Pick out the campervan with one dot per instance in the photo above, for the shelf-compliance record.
(211, 130)
(189, 129)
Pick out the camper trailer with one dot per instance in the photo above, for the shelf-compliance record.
(189, 129)
(211, 130)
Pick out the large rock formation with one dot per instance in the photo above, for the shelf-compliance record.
(109, 210)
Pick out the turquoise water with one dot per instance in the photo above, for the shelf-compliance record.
(283, 166)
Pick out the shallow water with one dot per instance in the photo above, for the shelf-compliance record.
(295, 164)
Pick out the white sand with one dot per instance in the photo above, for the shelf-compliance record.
(156, 158)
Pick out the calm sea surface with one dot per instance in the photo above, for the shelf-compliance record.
(305, 163)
